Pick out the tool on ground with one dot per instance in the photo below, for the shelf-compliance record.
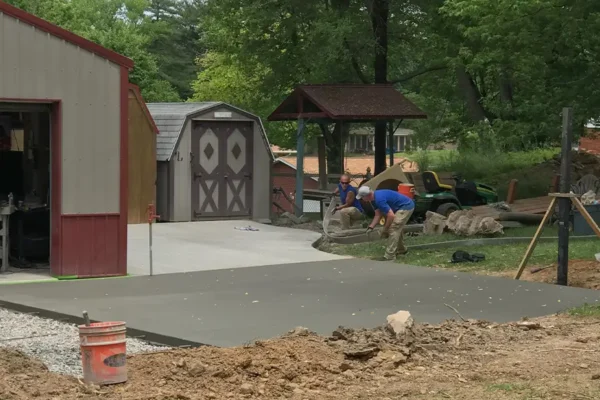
(86, 318)
(536, 270)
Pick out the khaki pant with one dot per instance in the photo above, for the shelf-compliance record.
(395, 245)
(349, 215)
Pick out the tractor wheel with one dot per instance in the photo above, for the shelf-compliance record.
(447, 208)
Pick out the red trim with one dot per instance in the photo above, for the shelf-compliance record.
(124, 172)
(138, 95)
(65, 35)
(90, 215)
(56, 188)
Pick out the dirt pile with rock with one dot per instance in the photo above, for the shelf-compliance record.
(550, 358)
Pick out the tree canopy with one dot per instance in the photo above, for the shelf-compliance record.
(487, 73)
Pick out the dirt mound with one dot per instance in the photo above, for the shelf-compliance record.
(582, 274)
(551, 358)
(24, 378)
(582, 163)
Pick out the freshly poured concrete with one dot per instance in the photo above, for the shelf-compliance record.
(202, 246)
(233, 306)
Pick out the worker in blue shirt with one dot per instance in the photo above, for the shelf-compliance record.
(350, 208)
(397, 209)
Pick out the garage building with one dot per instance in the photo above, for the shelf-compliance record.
(214, 162)
(63, 146)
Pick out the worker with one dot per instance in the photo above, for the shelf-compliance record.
(397, 209)
(350, 208)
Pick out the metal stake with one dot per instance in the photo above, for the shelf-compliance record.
(564, 203)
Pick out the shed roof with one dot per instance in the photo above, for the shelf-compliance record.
(65, 35)
(347, 102)
(170, 119)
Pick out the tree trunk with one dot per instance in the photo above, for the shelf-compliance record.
(334, 141)
(379, 22)
(472, 95)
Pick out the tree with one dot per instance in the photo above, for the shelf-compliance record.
(175, 33)
(115, 24)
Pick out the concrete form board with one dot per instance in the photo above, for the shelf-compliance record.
(37, 65)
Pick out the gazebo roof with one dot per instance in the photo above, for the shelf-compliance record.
(357, 103)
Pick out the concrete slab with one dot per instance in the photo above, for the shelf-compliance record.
(20, 275)
(201, 246)
(230, 307)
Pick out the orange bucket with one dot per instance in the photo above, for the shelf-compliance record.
(103, 352)
(407, 189)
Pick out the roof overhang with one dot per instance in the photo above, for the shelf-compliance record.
(355, 103)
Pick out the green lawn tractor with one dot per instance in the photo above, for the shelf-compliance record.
(445, 199)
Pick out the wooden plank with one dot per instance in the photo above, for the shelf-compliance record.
(535, 238)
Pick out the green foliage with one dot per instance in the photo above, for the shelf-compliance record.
(115, 24)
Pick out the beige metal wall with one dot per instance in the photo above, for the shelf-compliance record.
(36, 65)
(181, 196)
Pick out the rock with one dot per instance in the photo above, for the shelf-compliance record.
(400, 323)
(299, 331)
(196, 369)
(180, 363)
(596, 377)
(529, 325)
(246, 388)
(245, 363)
(222, 373)
(291, 217)
(584, 366)
(363, 353)
(298, 391)
(339, 334)
(345, 366)
(211, 395)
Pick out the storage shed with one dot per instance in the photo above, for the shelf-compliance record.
(142, 158)
(214, 162)
(64, 107)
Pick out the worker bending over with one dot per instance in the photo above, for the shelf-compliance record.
(350, 208)
(397, 209)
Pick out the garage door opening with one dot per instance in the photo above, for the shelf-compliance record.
(25, 176)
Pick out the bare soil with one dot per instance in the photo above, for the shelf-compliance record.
(549, 358)
(582, 274)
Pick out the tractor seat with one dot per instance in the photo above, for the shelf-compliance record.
(432, 183)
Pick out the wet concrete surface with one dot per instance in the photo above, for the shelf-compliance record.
(235, 306)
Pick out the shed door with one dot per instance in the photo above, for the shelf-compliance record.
(222, 169)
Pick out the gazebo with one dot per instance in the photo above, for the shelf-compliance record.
(341, 103)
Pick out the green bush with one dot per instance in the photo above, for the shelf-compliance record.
(492, 167)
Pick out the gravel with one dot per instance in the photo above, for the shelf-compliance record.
(54, 343)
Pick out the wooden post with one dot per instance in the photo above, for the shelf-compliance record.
(535, 238)
(512, 191)
(322, 163)
(564, 204)
(391, 141)
(300, 168)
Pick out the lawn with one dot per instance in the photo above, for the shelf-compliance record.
(499, 258)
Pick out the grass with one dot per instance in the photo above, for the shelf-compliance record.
(586, 310)
(498, 258)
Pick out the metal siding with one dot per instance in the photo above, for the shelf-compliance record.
(162, 190)
(261, 204)
(182, 174)
(37, 65)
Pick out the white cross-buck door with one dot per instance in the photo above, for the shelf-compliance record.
(221, 169)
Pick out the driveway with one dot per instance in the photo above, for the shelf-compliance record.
(231, 307)
(203, 246)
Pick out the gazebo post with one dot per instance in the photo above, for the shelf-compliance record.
(391, 141)
(322, 163)
(300, 168)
